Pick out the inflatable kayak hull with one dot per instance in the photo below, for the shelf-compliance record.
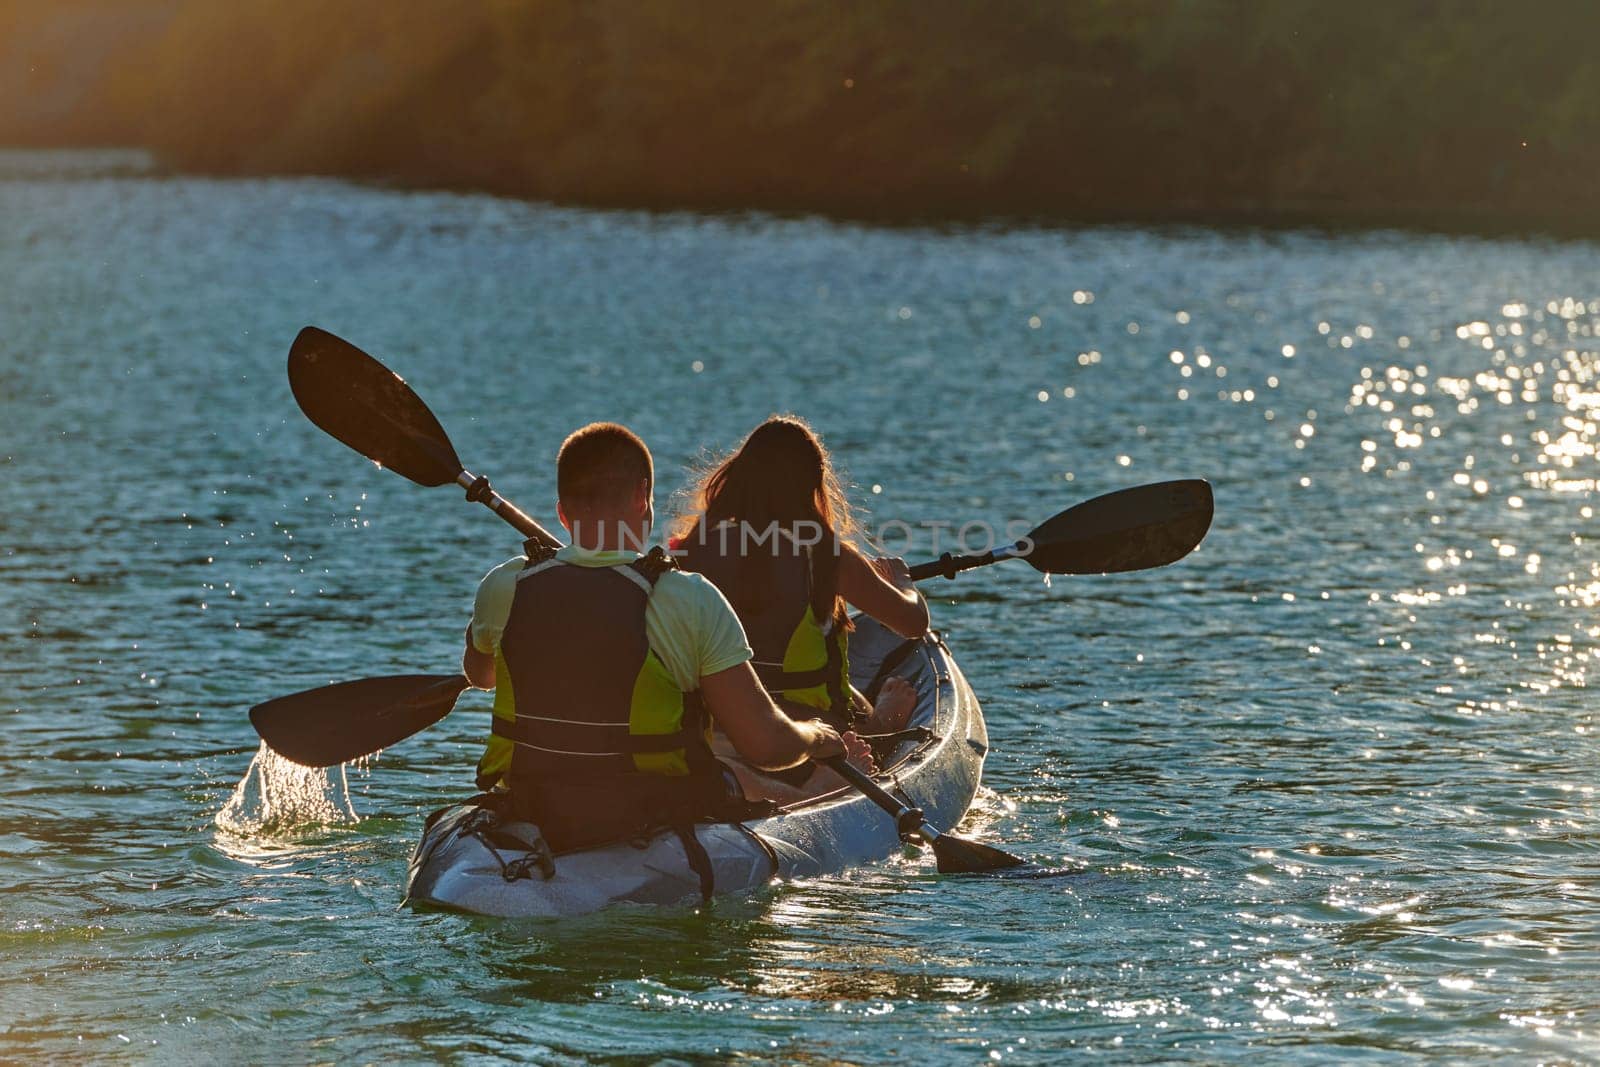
(459, 866)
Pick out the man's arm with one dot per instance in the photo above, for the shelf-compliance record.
(760, 733)
(477, 666)
(491, 606)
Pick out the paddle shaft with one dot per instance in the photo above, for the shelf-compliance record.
(908, 820)
(950, 564)
(479, 491)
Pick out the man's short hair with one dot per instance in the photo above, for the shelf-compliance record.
(602, 463)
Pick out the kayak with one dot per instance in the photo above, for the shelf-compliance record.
(471, 860)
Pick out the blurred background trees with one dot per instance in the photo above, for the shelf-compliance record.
(1456, 113)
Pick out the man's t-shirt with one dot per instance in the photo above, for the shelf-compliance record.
(687, 621)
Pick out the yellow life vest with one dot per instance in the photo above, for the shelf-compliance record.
(773, 584)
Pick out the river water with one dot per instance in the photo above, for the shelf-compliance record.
(1329, 782)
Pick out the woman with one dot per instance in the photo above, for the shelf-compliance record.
(770, 526)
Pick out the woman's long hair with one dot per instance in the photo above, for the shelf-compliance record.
(780, 474)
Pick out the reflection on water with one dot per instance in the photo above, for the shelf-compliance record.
(1513, 425)
(1330, 782)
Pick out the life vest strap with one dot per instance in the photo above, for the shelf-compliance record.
(524, 729)
(698, 858)
(841, 710)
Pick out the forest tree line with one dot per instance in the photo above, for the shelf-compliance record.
(1466, 114)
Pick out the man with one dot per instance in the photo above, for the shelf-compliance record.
(606, 664)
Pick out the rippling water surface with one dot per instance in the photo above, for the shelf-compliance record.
(1330, 781)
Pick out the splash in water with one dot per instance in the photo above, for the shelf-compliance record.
(278, 798)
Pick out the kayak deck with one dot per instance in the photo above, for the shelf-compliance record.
(459, 867)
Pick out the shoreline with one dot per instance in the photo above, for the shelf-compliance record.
(1482, 222)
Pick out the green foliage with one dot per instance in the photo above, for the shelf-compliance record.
(1432, 111)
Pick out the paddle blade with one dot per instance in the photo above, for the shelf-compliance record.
(957, 855)
(1129, 530)
(369, 407)
(337, 723)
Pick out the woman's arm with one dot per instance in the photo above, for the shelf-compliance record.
(883, 589)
